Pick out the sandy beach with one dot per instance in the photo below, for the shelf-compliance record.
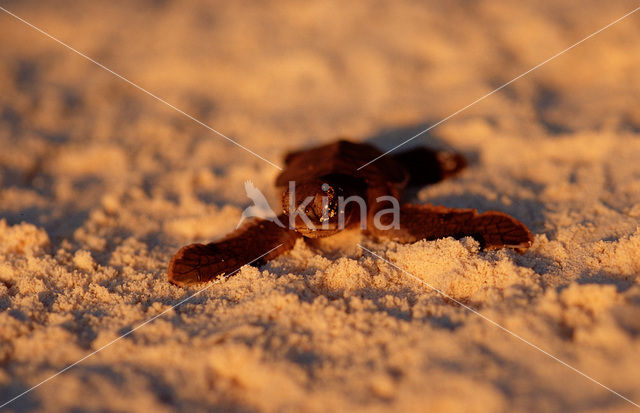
(101, 182)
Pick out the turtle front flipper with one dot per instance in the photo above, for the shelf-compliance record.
(491, 229)
(255, 243)
(428, 166)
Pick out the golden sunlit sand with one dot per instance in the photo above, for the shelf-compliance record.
(100, 184)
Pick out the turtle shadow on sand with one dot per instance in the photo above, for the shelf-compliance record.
(529, 211)
(388, 138)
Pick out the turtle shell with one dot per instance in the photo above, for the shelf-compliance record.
(344, 158)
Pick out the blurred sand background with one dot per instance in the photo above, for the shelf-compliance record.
(100, 184)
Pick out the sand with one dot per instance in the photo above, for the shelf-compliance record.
(100, 184)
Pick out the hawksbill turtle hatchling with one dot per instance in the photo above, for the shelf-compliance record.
(314, 206)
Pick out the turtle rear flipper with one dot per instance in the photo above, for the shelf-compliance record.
(491, 229)
(428, 166)
(197, 263)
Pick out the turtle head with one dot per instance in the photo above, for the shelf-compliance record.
(316, 207)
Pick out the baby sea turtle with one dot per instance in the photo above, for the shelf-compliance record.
(315, 185)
